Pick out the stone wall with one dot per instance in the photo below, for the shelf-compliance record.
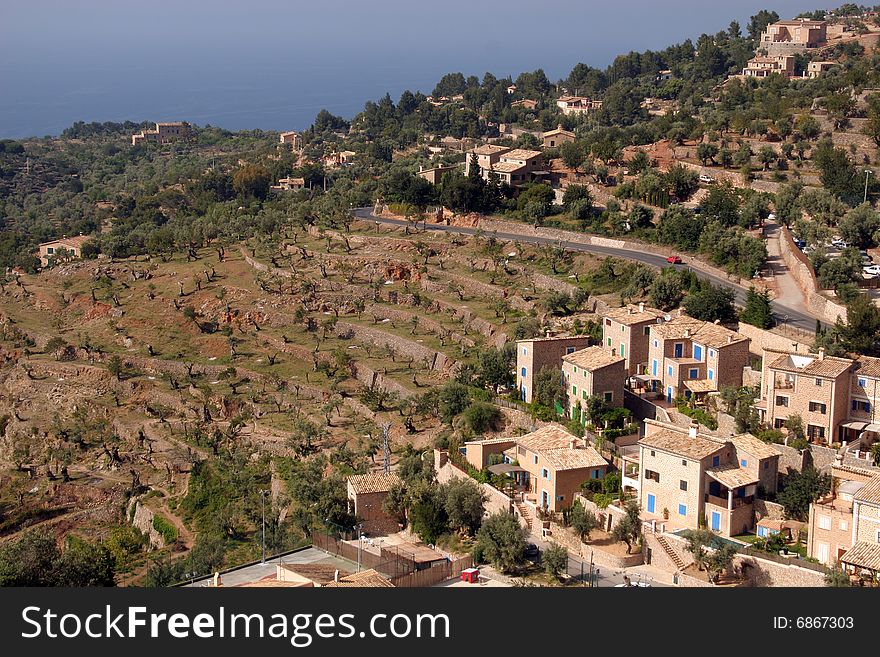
(446, 470)
(142, 519)
(790, 458)
(588, 551)
(771, 510)
(439, 361)
(762, 339)
(802, 272)
(764, 572)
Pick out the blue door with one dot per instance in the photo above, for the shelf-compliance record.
(654, 368)
(678, 350)
(652, 501)
(523, 393)
(716, 521)
(669, 394)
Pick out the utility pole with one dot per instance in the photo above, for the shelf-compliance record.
(868, 172)
(386, 447)
(263, 513)
(360, 544)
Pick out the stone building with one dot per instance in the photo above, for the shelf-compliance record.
(534, 354)
(593, 371)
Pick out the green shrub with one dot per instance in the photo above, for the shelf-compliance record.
(165, 528)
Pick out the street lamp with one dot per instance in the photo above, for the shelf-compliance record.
(360, 544)
(263, 514)
(868, 172)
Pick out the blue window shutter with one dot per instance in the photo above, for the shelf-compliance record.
(744, 463)
(682, 510)
(524, 371)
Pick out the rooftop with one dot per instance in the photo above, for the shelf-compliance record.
(822, 366)
(593, 358)
(631, 314)
(507, 167)
(863, 555)
(870, 492)
(681, 444)
(551, 338)
(868, 366)
(522, 154)
(554, 444)
(490, 149)
(373, 482)
(77, 240)
(732, 476)
(368, 579)
(755, 446)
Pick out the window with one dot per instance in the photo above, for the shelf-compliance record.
(766, 465)
(743, 463)
(609, 342)
(584, 394)
(683, 485)
(818, 383)
(778, 423)
(682, 510)
(716, 460)
(669, 370)
(622, 328)
(653, 453)
(524, 371)
(525, 351)
(693, 373)
(862, 383)
(781, 400)
(574, 390)
(815, 432)
(824, 522)
(545, 473)
(818, 407)
(684, 462)
(609, 397)
(596, 474)
(622, 350)
(859, 405)
(844, 525)
(50, 250)
(575, 369)
(647, 330)
(711, 375)
(711, 353)
(678, 349)
(535, 459)
(654, 476)
(569, 350)
(698, 352)
(656, 344)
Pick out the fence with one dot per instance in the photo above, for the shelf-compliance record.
(769, 556)
(395, 562)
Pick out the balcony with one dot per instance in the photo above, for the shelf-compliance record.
(783, 383)
(722, 501)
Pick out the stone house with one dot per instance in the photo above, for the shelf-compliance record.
(435, 174)
(289, 185)
(789, 37)
(627, 330)
(577, 105)
(534, 354)
(762, 67)
(546, 467)
(689, 479)
(366, 495)
(293, 138)
(557, 137)
(593, 371)
(66, 248)
(691, 358)
(164, 133)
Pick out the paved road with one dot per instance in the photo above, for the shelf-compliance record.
(792, 312)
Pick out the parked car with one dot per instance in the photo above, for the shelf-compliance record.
(706, 179)
(674, 259)
(801, 244)
(871, 270)
(838, 243)
(531, 551)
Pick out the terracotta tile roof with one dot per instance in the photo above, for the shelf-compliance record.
(701, 385)
(316, 572)
(755, 446)
(630, 314)
(715, 335)
(366, 579)
(373, 482)
(507, 167)
(271, 583)
(732, 476)
(676, 328)
(558, 131)
(811, 365)
(76, 240)
(681, 444)
(863, 555)
(868, 366)
(490, 149)
(870, 492)
(573, 459)
(593, 358)
(552, 338)
(551, 436)
(521, 154)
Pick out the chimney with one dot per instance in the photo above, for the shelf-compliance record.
(641, 306)
(336, 575)
(687, 333)
(573, 443)
(692, 430)
(729, 339)
(547, 333)
(217, 580)
(821, 353)
(629, 310)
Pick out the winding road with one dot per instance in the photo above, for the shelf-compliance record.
(792, 313)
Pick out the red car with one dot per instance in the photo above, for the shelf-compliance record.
(674, 259)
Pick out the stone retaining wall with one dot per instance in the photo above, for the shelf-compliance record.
(802, 271)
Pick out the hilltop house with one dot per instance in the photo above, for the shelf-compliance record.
(366, 495)
(692, 358)
(293, 138)
(557, 137)
(534, 354)
(627, 330)
(547, 466)
(289, 185)
(514, 166)
(789, 37)
(66, 248)
(593, 371)
(577, 105)
(762, 67)
(435, 174)
(688, 478)
(164, 133)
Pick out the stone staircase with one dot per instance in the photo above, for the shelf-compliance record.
(524, 513)
(672, 554)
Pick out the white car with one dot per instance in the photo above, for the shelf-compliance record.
(839, 243)
(871, 270)
(706, 179)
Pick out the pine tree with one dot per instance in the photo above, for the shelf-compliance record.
(757, 311)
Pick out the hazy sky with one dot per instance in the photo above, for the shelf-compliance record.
(272, 64)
